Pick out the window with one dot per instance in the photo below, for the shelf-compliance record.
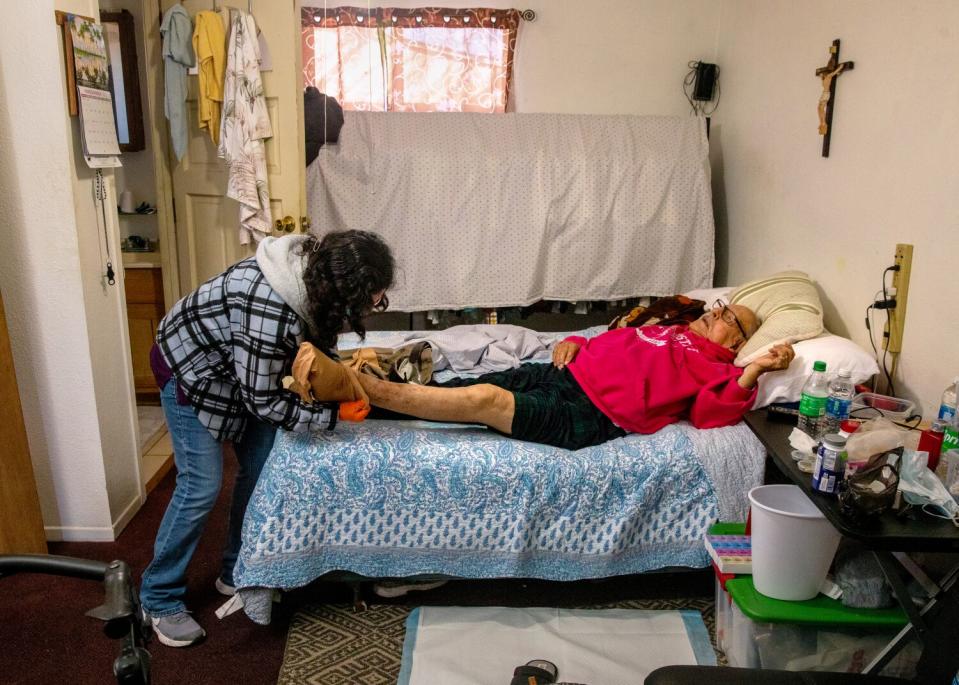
(410, 60)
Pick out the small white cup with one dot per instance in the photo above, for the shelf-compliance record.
(126, 202)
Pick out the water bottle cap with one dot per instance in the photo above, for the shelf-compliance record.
(819, 366)
(845, 373)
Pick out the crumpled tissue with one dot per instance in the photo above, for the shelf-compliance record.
(802, 441)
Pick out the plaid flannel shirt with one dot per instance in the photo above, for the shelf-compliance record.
(229, 344)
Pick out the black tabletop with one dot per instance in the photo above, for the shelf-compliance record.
(917, 532)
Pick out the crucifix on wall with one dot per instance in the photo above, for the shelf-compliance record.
(829, 74)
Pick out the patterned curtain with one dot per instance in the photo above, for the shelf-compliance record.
(411, 60)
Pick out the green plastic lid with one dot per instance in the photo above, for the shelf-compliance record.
(727, 528)
(819, 611)
(819, 366)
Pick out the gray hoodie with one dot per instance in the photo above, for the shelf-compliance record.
(282, 265)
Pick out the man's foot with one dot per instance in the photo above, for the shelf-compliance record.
(398, 588)
(224, 588)
(177, 630)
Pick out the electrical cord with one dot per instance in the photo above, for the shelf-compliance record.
(885, 348)
(869, 328)
(699, 107)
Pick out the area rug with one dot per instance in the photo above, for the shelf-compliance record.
(483, 645)
(329, 644)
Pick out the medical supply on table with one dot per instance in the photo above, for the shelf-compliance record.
(803, 445)
(839, 401)
(920, 487)
(951, 459)
(830, 464)
(812, 404)
(869, 405)
(847, 428)
(872, 489)
(872, 437)
(947, 404)
(930, 441)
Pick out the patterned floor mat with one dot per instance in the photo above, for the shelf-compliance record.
(332, 645)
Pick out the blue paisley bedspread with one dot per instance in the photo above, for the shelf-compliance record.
(400, 498)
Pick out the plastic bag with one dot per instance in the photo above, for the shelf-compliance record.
(922, 488)
(873, 437)
(872, 489)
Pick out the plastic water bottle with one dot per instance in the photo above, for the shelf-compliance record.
(812, 405)
(947, 405)
(839, 401)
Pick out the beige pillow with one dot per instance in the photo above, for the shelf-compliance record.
(788, 306)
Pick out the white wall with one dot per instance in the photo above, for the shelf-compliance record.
(891, 177)
(67, 330)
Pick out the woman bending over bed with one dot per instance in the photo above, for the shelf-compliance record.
(219, 358)
(628, 380)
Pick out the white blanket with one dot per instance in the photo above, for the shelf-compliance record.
(471, 349)
(482, 645)
(503, 210)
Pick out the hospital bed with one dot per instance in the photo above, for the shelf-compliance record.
(404, 498)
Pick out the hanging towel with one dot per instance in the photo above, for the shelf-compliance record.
(244, 128)
(209, 44)
(176, 30)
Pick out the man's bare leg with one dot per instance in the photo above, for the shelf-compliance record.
(483, 403)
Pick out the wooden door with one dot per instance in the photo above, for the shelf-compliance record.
(207, 224)
(21, 524)
(144, 293)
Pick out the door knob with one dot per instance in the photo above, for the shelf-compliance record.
(287, 224)
(305, 224)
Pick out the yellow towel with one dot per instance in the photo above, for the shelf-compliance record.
(209, 44)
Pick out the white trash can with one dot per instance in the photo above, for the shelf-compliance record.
(792, 543)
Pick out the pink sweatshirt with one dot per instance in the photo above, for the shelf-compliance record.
(648, 377)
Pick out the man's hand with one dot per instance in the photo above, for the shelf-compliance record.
(563, 353)
(778, 358)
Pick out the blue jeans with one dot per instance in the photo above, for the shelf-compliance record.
(199, 463)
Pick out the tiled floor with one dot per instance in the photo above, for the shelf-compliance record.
(155, 446)
(152, 425)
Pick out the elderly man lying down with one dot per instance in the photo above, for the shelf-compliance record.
(628, 380)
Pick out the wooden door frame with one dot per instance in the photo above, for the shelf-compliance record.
(163, 171)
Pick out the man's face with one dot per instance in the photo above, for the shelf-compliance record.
(728, 326)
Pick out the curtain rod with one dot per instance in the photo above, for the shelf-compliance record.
(525, 15)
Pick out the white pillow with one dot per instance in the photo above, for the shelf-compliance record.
(788, 306)
(837, 352)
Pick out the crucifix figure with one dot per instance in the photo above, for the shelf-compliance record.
(829, 74)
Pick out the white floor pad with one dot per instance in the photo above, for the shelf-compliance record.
(482, 645)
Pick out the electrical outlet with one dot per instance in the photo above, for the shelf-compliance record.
(897, 315)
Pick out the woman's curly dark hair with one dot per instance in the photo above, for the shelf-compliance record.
(343, 271)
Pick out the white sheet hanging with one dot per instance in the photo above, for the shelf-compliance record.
(507, 209)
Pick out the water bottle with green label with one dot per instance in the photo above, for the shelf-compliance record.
(812, 405)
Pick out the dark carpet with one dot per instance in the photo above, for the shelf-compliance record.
(46, 638)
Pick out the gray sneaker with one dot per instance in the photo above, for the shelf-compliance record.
(177, 630)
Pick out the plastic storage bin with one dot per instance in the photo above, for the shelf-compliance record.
(869, 405)
(723, 600)
(820, 634)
